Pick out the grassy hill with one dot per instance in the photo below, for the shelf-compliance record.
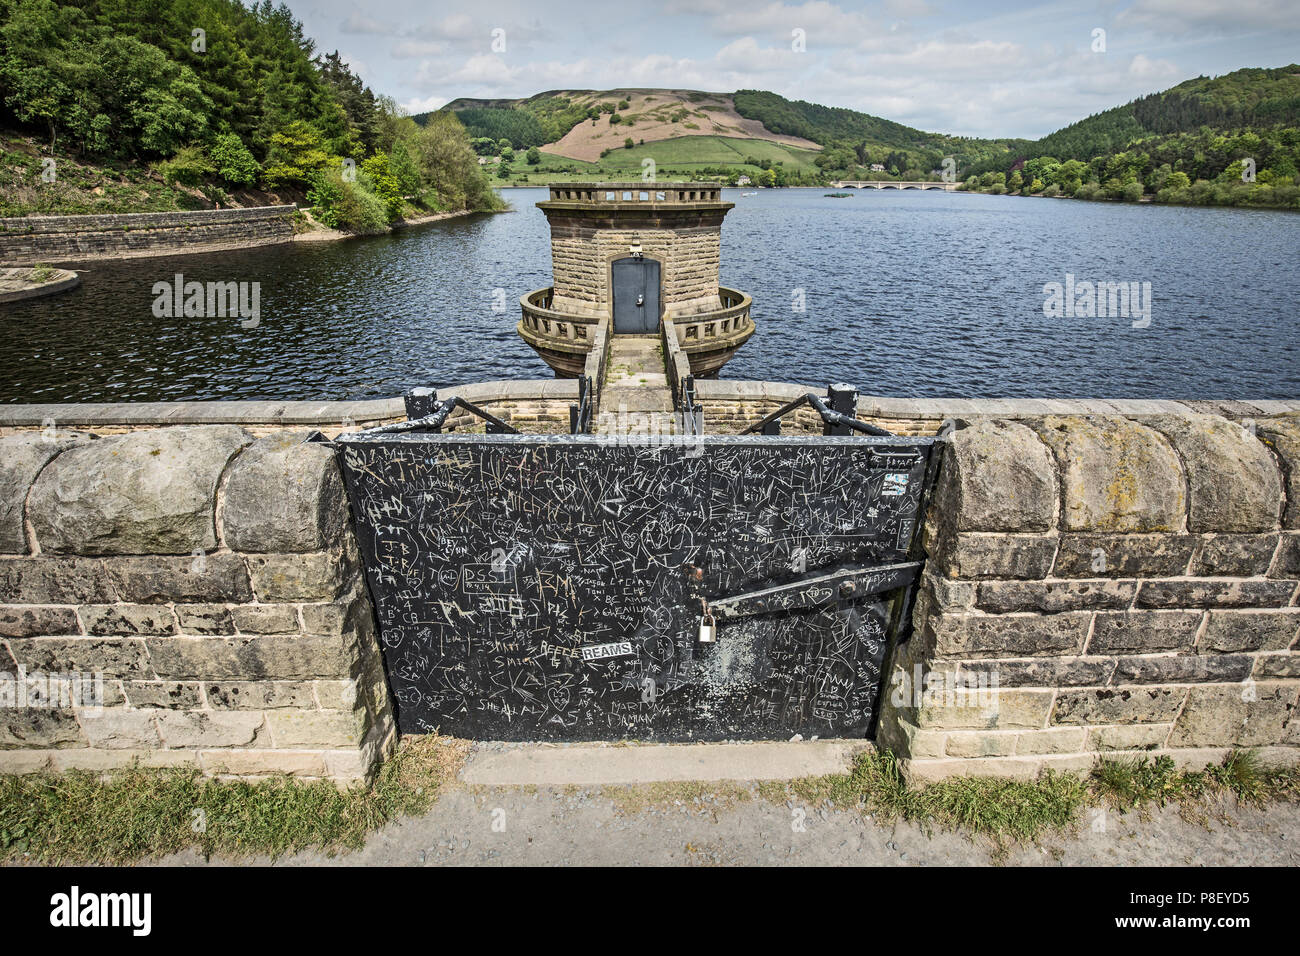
(749, 131)
(685, 157)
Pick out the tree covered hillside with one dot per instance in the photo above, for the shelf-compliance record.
(1231, 140)
(853, 139)
(210, 97)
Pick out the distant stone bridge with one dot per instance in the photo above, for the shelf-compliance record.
(890, 184)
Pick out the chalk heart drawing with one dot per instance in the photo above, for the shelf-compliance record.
(564, 488)
(559, 697)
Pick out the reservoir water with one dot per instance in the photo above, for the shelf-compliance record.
(909, 294)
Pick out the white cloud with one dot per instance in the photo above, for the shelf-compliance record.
(359, 23)
(425, 105)
(1226, 17)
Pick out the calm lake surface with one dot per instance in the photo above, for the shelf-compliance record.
(906, 294)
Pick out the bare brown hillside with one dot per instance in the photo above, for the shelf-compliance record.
(658, 115)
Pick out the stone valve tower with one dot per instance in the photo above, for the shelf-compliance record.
(638, 259)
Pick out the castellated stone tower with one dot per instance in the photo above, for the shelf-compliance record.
(641, 259)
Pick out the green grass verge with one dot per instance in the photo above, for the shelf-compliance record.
(1023, 810)
(132, 815)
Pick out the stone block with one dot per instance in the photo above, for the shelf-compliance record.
(198, 729)
(1144, 632)
(1123, 555)
(56, 581)
(317, 728)
(261, 694)
(283, 495)
(146, 492)
(1233, 631)
(1118, 705)
(1282, 436)
(1052, 740)
(1215, 592)
(252, 657)
(1240, 715)
(1027, 635)
(905, 739)
(1279, 666)
(1287, 562)
(171, 695)
(992, 710)
(1116, 475)
(1182, 669)
(1233, 482)
(31, 727)
(22, 457)
(338, 694)
(265, 618)
(1235, 555)
(997, 476)
(1128, 737)
(118, 728)
(127, 620)
(1053, 597)
(319, 576)
(114, 657)
(205, 579)
(253, 763)
(974, 557)
(204, 619)
(981, 743)
(1039, 672)
(25, 620)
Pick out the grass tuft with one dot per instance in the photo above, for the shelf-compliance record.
(1023, 810)
(137, 814)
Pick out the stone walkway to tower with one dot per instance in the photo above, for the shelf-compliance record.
(636, 399)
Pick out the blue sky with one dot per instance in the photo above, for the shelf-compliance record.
(989, 69)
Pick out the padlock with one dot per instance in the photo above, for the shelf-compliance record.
(708, 629)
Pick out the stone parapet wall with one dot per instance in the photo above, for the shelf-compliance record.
(731, 405)
(1104, 585)
(33, 239)
(211, 580)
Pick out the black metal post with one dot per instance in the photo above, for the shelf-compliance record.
(844, 400)
(420, 401)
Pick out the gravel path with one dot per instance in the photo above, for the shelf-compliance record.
(480, 826)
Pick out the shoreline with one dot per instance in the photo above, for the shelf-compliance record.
(325, 234)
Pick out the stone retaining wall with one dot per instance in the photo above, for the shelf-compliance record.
(1105, 585)
(33, 239)
(212, 579)
(1121, 576)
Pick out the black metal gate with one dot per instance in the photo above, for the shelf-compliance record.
(636, 295)
(540, 587)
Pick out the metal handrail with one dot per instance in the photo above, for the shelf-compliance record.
(434, 421)
(771, 424)
(580, 413)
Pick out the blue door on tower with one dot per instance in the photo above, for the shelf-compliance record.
(636, 295)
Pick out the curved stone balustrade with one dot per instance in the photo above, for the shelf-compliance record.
(709, 339)
(563, 339)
